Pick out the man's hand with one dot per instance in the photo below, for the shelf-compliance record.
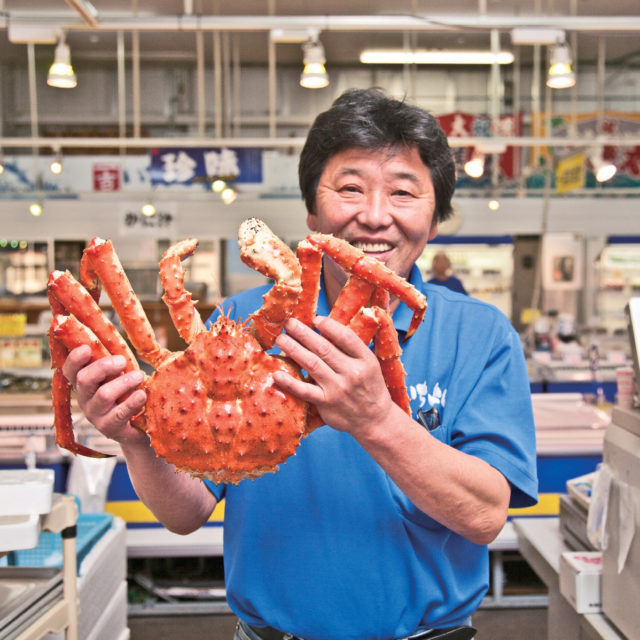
(99, 387)
(349, 391)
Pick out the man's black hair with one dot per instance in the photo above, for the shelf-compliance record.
(369, 119)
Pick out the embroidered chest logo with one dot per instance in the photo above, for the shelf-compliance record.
(434, 398)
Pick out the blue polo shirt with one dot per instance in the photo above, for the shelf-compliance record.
(328, 548)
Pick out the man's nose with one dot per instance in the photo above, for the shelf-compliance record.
(377, 211)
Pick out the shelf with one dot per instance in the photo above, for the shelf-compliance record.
(63, 613)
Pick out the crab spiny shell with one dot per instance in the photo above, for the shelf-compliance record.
(215, 411)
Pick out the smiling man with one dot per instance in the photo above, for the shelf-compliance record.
(377, 528)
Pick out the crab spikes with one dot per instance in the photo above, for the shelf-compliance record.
(374, 271)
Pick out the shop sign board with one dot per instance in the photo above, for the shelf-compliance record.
(106, 176)
(570, 172)
(162, 224)
(169, 166)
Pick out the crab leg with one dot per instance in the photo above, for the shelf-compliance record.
(103, 261)
(71, 297)
(263, 251)
(372, 270)
(61, 390)
(310, 259)
(182, 308)
(375, 323)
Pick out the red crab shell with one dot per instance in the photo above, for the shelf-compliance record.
(215, 411)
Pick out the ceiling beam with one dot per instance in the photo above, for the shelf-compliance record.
(86, 11)
(469, 22)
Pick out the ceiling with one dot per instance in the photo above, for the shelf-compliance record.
(167, 27)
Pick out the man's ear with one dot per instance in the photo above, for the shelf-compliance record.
(433, 231)
(312, 221)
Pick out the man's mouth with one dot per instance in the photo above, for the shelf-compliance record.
(372, 247)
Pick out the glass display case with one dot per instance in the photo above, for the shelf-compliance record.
(618, 280)
(486, 269)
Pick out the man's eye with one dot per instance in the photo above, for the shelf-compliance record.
(350, 188)
(402, 193)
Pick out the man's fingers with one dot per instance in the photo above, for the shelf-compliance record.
(125, 410)
(341, 336)
(107, 394)
(76, 359)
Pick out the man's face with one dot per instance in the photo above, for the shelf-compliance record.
(380, 202)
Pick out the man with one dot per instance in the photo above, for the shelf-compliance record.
(377, 528)
(441, 269)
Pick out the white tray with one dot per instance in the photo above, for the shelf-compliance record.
(25, 491)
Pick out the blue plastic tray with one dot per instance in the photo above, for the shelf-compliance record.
(90, 528)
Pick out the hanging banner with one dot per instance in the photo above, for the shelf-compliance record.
(587, 126)
(170, 166)
(463, 125)
(570, 172)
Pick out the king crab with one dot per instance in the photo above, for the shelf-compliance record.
(213, 410)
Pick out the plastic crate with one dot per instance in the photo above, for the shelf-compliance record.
(48, 552)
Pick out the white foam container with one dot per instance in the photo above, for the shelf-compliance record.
(19, 532)
(25, 491)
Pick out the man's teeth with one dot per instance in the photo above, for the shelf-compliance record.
(373, 247)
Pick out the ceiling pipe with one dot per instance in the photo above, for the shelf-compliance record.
(474, 22)
(86, 11)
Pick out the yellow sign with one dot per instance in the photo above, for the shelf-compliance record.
(570, 173)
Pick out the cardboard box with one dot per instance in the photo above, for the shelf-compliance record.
(581, 580)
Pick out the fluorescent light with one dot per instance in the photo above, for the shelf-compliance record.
(61, 73)
(436, 56)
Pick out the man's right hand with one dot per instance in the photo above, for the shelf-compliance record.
(100, 388)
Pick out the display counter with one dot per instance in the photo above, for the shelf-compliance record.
(541, 545)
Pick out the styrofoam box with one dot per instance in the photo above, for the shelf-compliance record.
(19, 532)
(581, 580)
(25, 491)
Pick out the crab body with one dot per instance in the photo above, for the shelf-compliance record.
(214, 409)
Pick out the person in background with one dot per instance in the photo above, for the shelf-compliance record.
(442, 275)
(377, 529)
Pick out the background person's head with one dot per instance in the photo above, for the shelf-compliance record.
(369, 119)
(440, 265)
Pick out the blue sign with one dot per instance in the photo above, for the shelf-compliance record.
(187, 166)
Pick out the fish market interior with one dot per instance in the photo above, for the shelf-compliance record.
(146, 122)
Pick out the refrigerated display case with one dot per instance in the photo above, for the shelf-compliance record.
(484, 265)
(618, 280)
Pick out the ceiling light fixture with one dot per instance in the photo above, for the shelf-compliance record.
(474, 166)
(435, 56)
(314, 74)
(148, 209)
(35, 209)
(61, 73)
(228, 195)
(56, 164)
(218, 185)
(560, 74)
(602, 169)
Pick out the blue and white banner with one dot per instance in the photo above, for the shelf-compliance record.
(186, 166)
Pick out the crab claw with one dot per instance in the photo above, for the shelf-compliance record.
(61, 391)
(374, 271)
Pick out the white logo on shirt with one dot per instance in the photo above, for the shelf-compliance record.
(421, 391)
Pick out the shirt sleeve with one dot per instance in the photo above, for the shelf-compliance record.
(496, 421)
